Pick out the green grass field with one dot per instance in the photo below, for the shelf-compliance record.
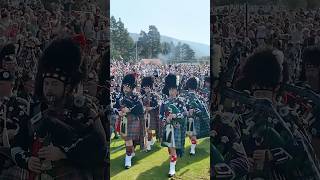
(154, 165)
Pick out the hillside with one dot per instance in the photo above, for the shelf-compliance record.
(199, 48)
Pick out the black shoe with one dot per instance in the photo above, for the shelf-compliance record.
(192, 154)
(128, 167)
(170, 175)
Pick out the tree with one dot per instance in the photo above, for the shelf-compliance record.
(154, 41)
(177, 53)
(183, 53)
(122, 45)
(165, 48)
(149, 43)
(143, 46)
(189, 53)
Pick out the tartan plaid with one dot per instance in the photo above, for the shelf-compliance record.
(133, 127)
(68, 173)
(154, 120)
(179, 136)
(14, 173)
(197, 126)
(204, 125)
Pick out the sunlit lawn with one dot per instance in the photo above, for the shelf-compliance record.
(155, 164)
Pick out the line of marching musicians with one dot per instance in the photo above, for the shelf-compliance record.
(172, 114)
(263, 127)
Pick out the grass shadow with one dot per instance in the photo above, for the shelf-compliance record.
(160, 171)
(117, 164)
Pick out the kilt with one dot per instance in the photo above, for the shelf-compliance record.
(154, 120)
(179, 136)
(14, 173)
(133, 127)
(204, 126)
(196, 126)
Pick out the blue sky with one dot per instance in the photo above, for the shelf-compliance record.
(181, 19)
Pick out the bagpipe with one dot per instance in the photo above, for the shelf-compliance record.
(308, 101)
(46, 128)
(263, 106)
(266, 124)
(122, 124)
(267, 130)
(304, 96)
(264, 129)
(304, 91)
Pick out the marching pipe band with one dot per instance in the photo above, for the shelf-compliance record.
(161, 107)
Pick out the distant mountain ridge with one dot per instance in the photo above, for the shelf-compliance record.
(199, 48)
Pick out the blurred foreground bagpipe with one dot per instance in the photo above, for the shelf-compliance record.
(49, 123)
(305, 92)
(308, 99)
